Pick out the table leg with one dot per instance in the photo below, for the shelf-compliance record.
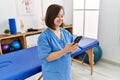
(91, 58)
(40, 77)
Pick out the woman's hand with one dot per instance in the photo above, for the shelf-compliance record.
(71, 47)
(68, 48)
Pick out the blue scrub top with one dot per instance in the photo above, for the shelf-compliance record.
(48, 42)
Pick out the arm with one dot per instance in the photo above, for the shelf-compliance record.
(68, 48)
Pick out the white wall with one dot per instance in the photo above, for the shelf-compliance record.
(8, 9)
(109, 29)
(109, 25)
(68, 6)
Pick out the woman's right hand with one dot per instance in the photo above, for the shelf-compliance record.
(70, 47)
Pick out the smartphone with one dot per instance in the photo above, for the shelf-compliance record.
(77, 39)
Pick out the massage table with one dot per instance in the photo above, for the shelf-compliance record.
(86, 45)
(19, 65)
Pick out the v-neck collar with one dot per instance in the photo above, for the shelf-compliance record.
(56, 35)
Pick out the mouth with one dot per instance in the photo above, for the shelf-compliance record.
(60, 22)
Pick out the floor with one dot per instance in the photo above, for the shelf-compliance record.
(102, 71)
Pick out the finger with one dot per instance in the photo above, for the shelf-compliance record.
(74, 49)
(76, 44)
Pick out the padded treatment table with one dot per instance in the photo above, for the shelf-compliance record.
(86, 45)
(22, 64)
(19, 65)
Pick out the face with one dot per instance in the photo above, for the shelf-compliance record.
(59, 19)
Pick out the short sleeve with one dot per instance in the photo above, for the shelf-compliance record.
(44, 48)
(70, 36)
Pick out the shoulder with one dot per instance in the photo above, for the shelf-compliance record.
(44, 34)
(64, 31)
(67, 34)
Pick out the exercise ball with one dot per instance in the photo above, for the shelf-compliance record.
(97, 55)
(16, 45)
(5, 48)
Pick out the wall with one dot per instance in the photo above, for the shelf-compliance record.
(109, 29)
(109, 25)
(9, 9)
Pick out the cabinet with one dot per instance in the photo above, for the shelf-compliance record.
(86, 17)
(26, 40)
(5, 42)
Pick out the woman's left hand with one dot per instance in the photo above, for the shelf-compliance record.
(74, 47)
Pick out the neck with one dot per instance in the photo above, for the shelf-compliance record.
(57, 32)
(57, 29)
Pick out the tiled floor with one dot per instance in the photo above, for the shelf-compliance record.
(102, 71)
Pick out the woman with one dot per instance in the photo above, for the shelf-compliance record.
(55, 46)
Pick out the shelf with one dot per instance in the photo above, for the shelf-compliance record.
(34, 32)
(2, 37)
(8, 39)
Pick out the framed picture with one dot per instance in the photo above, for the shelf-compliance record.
(25, 7)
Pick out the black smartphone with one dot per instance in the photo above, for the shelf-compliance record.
(77, 39)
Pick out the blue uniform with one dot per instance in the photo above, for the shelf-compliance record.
(48, 42)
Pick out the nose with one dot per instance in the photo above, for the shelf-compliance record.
(61, 18)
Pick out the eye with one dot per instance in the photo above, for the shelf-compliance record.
(60, 16)
(57, 16)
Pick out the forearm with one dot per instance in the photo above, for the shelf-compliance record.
(56, 55)
(68, 48)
